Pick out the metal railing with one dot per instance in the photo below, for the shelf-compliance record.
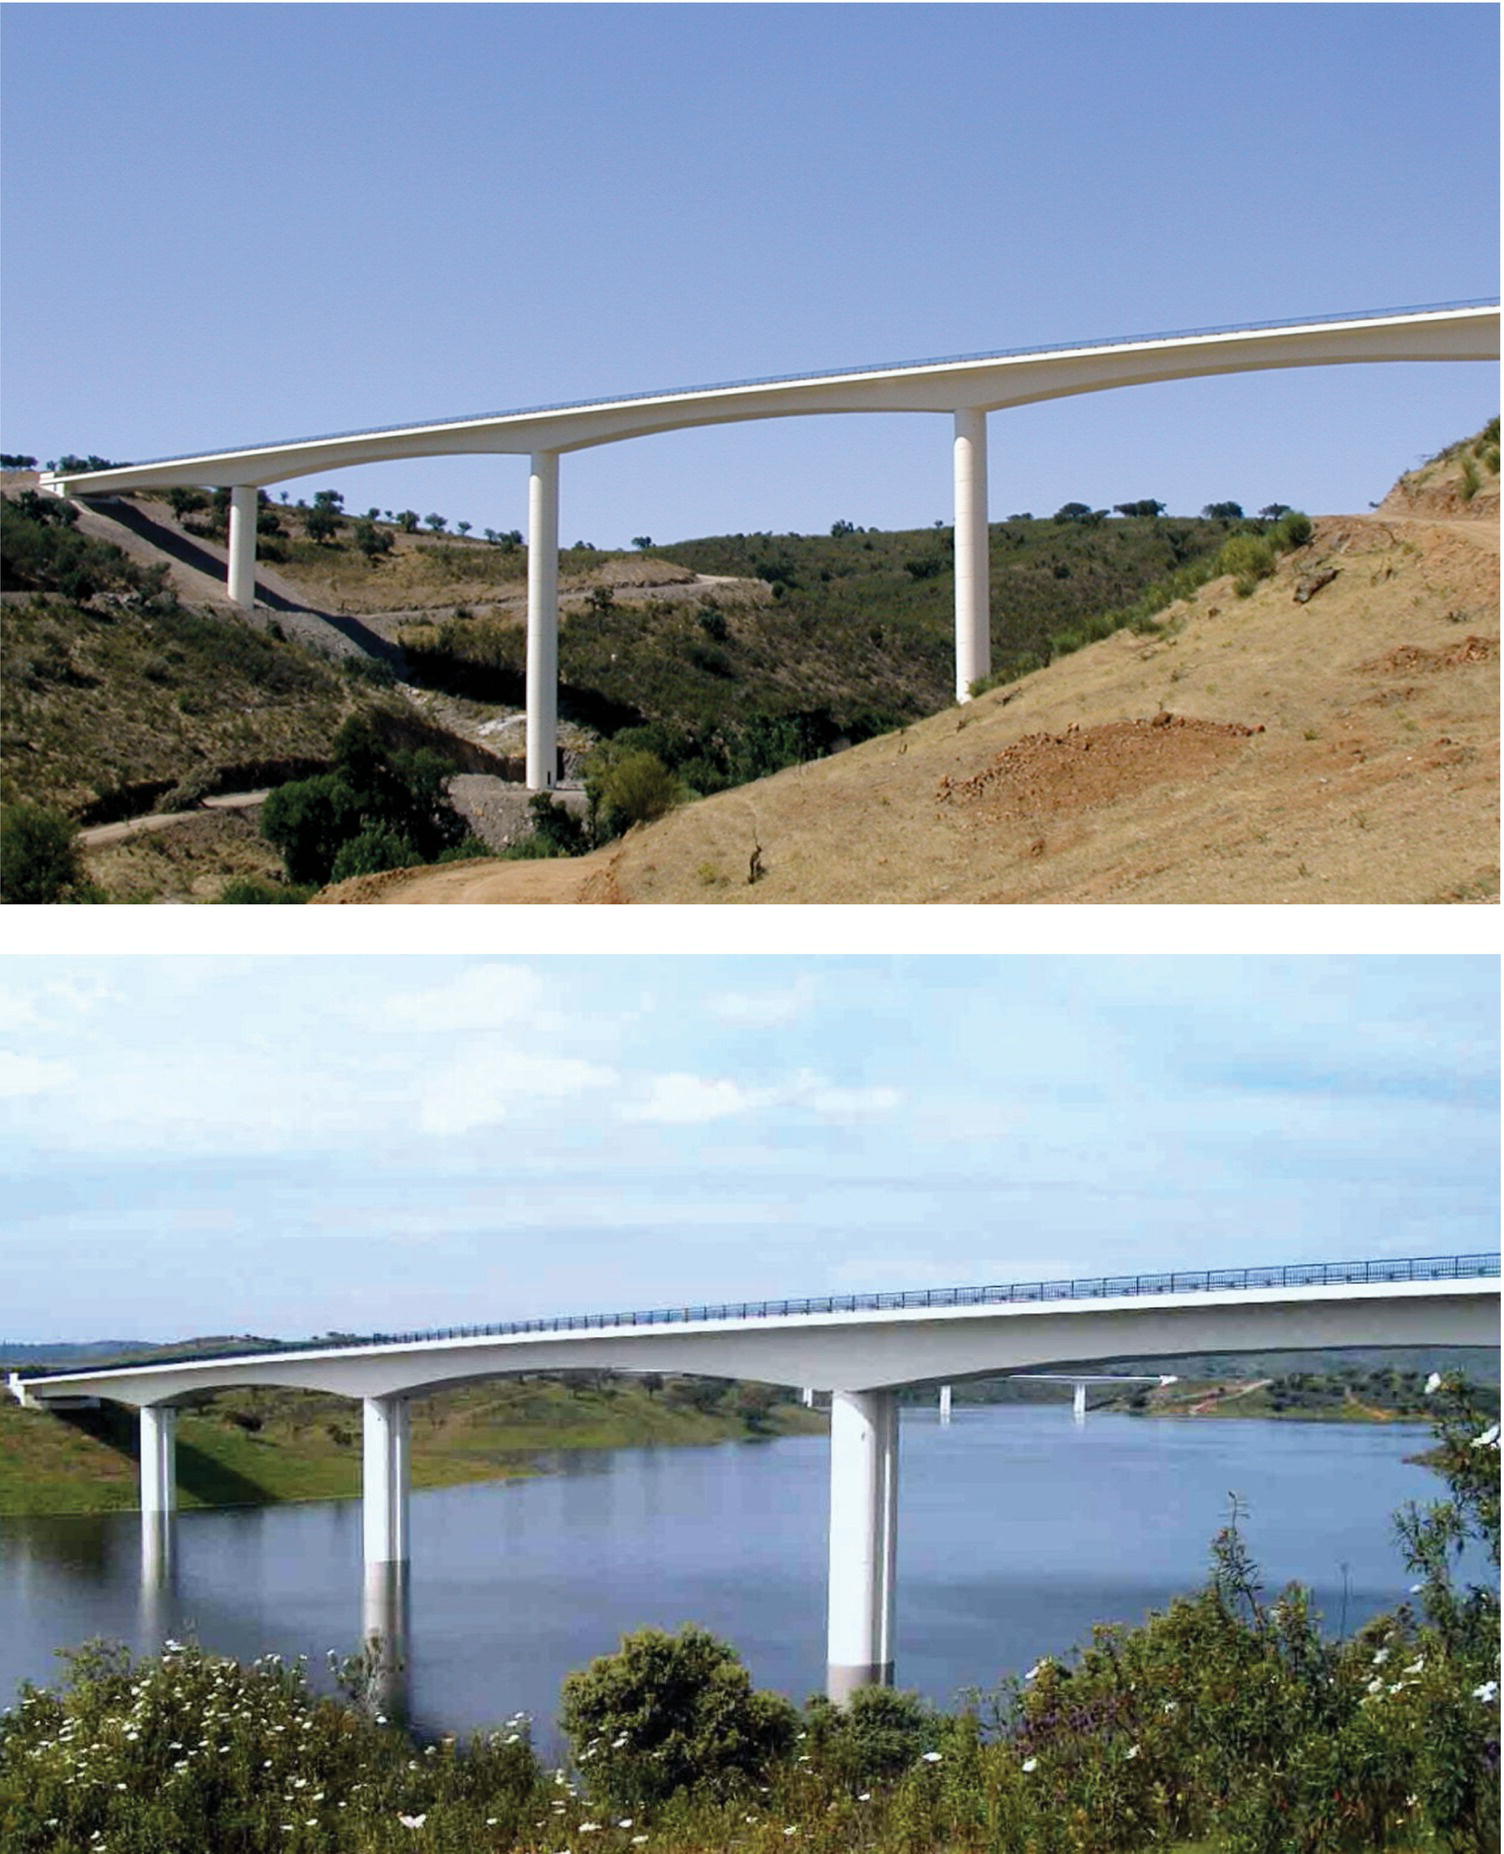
(1094, 1287)
(828, 373)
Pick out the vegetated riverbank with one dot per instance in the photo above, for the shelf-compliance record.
(256, 1447)
(1226, 1724)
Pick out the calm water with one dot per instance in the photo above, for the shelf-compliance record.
(1017, 1532)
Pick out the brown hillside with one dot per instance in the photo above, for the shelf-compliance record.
(1332, 737)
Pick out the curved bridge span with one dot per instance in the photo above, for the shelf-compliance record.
(861, 1348)
(967, 387)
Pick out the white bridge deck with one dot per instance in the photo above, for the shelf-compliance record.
(967, 387)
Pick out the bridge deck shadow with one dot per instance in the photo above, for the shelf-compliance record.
(188, 553)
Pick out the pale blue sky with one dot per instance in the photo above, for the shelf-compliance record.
(288, 1145)
(233, 223)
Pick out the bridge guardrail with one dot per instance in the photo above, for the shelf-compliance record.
(1092, 1287)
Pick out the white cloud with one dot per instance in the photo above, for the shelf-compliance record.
(680, 1099)
(832, 1103)
(494, 996)
(692, 1100)
(493, 1086)
(26, 1075)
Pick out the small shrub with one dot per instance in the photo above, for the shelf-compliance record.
(253, 892)
(39, 859)
(375, 848)
(672, 1713)
(1249, 558)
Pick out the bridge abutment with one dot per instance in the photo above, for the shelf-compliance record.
(543, 622)
(973, 600)
(863, 1540)
(242, 574)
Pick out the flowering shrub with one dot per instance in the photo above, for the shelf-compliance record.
(190, 1752)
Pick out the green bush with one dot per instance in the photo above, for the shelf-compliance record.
(874, 1738)
(39, 860)
(1249, 558)
(668, 1714)
(376, 848)
(628, 788)
(251, 891)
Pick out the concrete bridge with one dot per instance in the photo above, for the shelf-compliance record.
(966, 387)
(861, 1348)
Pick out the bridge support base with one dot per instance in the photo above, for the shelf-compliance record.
(863, 1539)
(543, 623)
(242, 577)
(973, 603)
(384, 1606)
(159, 1431)
(944, 1403)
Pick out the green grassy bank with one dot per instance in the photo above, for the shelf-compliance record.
(255, 1447)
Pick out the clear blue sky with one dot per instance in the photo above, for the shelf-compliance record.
(288, 1145)
(233, 223)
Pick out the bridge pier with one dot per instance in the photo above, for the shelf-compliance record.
(863, 1540)
(543, 622)
(944, 1403)
(384, 1598)
(973, 601)
(1078, 1403)
(159, 1431)
(242, 575)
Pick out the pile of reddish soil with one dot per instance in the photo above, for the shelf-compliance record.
(1409, 658)
(1060, 775)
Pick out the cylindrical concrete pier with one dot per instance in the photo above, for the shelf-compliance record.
(242, 578)
(159, 1429)
(863, 1540)
(973, 602)
(384, 1482)
(543, 622)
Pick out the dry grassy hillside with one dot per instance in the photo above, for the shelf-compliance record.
(1331, 737)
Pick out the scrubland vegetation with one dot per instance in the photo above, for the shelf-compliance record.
(1228, 1724)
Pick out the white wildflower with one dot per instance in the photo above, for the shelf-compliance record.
(1030, 1763)
(931, 1757)
(1133, 1750)
(1381, 1657)
(1433, 1383)
(1488, 1691)
(413, 1821)
(1489, 1438)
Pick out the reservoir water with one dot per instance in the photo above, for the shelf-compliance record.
(1018, 1531)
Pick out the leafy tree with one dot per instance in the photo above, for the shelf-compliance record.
(670, 1714)
(328, 499)
(1273, 511)
(371, 540)
(407, 521)
(186, 501)
(39, 860)
(1080, 512)
(438, 523)
(1146, 508)
(840, 528)
(320, 523)
(12, 460)
(309, 821)
(641, 541)
(463, 527)
(1223, 511)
